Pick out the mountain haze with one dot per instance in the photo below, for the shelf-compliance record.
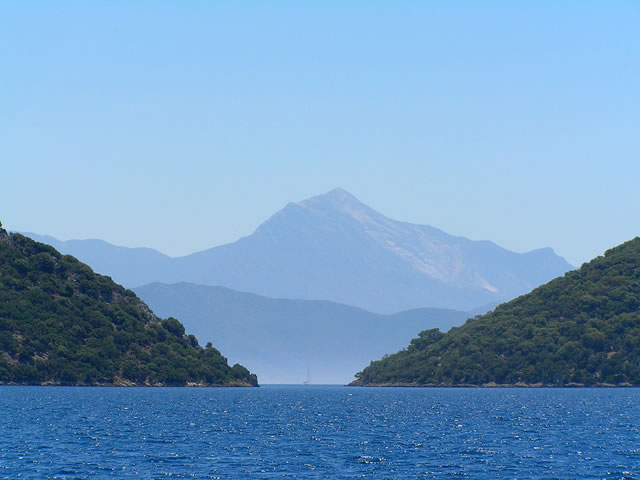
(333, 247)
(279, 338)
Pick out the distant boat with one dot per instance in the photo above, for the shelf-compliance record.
(307, 381)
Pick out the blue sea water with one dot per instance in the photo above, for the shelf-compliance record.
(318, 432)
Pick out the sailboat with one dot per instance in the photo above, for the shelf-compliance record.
(307, 381)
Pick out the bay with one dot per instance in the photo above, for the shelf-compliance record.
(318, 432)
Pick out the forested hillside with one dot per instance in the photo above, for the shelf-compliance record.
(582, 328)
(60, 323)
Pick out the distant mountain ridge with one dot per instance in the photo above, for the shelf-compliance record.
(333, 247)
(128, 266)
(279, 338)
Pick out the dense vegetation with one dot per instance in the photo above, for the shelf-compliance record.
(582, 328)
(60, 323)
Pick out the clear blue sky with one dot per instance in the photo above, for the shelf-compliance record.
(183, 125)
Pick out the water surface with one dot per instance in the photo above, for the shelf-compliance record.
(318, 432)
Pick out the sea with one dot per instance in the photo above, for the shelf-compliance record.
(319, 432)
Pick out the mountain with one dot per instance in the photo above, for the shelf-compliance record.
(333, 247)
(579, 329)
(60, 323)
(278, 338)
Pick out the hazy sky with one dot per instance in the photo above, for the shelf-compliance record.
(184, 125)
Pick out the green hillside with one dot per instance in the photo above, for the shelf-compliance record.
(582, 328)
(61, 323)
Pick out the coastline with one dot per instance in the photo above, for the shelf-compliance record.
(491, 385)
(130, 384)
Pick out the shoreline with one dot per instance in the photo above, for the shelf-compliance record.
(492, 385)
(129, 385)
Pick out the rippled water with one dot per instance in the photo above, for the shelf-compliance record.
(319, 432)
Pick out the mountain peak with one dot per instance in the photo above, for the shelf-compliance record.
(337, 196)
(339, 200)
(339, 193)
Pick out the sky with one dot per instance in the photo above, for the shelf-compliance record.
(184, 125)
